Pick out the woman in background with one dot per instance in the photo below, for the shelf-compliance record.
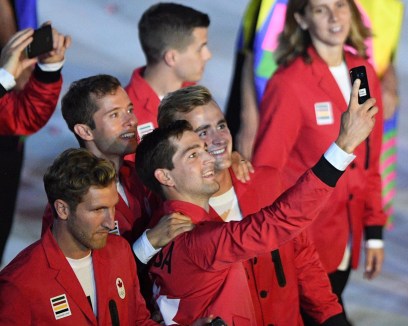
(300, 114)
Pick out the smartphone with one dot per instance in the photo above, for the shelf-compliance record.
(42, 42)
(364, 91)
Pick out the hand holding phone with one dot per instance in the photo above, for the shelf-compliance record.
(364, 91)
(42, 42)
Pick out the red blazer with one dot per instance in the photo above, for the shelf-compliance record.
(200, 272)
(144, 98)
(131, 220)
(290, 140)
(307, 282)
(41, 273)
(25, 112)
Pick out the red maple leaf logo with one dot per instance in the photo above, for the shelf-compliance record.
(119, 284)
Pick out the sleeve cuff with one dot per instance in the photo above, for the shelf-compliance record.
(51, 66)
(46, 77)
(373, 232)
(374, 244)
(338, 158)
(143, 250)
(6, 79)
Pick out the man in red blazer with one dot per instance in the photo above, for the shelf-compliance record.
(77, 273)
(173, 38)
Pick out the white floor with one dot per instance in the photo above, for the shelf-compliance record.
(105, 41)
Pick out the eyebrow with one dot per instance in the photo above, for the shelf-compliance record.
(208, 126)
(129, 105)
(184, 152)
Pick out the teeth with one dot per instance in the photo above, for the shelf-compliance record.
(218, 152)
(335, 29)
(208, 174)
(128, 135)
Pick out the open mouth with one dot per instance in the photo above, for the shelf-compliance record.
(128, 135)
(217, 152)
(208, 174)
(335, 29)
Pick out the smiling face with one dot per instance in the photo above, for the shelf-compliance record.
(327, 21)
(193, 176)
(115, 126)
(209, 123)
(191, 61)
(89, 224)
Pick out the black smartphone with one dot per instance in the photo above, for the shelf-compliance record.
(42, 42)
(364, 91)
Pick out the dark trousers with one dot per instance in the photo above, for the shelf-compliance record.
(11, 160)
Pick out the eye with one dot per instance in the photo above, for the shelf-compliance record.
(341, 4)
(193, 155)
(202, 134)
(319, 10)
(130, 110)
(222, 126)
(113, 115)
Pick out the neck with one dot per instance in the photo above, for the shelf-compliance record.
(69, 247)
(161, 79)
(224, 179)
(115, 159)
(333, 56)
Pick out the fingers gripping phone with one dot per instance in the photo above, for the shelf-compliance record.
(364, 91)
(42, 42)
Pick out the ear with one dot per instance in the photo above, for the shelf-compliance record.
(170, 57)
(301, 21)
(164, 177)
(62, 209)
(83, 131)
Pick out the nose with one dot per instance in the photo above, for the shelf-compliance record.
(333, 14)
(130, 119)
(208, 158)
(207, 54)
(109, 221)
(218, 139)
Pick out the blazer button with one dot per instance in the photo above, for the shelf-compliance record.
(263, 294)
(351, 196)
(255, 260)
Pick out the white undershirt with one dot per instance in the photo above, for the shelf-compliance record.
(341, 75)
(226, 205)
(83, 269)
(122, 192)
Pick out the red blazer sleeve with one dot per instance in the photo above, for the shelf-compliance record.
(316, 296)
(260, 232)
(25, 112)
